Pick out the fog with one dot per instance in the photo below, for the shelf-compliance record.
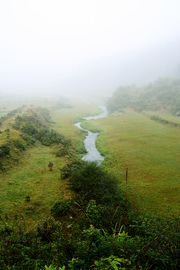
(86, 47)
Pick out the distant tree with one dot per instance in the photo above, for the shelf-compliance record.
(50, 165)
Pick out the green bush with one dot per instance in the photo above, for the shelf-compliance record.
(92, 182)
(4, 150)
(28, 139)
(29, 129)
(103, 216)
(62, 152)
(47, 137)
(65, 171)
(112, 263)
(19, 144)
(62, 207)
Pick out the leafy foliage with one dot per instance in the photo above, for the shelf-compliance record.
(4, 150)
(92, 182)
(28, 139)
(19, 144)
(141, 243)
(62, 152)
(62, 207)
(112, 262)
(29, 128)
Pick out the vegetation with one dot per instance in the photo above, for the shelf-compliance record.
(164, 94)
(150, 151)
(25, 126)
(91, 233)
(84, 216)
(4, 150)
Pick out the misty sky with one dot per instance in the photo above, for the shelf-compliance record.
(79, 46)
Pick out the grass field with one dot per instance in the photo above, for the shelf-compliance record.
(149, 149)
(32, 177)
(151, 152)
(164, 115)
(66, 117)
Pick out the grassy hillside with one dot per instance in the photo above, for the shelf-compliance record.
(30, 139)
(28, 145)
(164, 94)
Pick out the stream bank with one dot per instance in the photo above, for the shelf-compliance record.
(90, 140)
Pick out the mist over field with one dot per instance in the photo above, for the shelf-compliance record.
(86, 47)
(82, 185)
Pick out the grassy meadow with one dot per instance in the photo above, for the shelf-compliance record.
(164, 115)
(151, 152)
(32, 178)
(31, 175)
(149, 149)
(98, 223)
(65, 118)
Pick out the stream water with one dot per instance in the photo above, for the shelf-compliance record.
(90, 140)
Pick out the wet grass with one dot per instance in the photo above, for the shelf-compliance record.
(32, 178)
(150, 151)
(65, 118)
(164, 115)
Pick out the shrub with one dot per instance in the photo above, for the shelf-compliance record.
(101, 216)
(47, 137)
(112, 262)
(92, 182)
(50, 165)
(61, 207)
(4, 150)
(28, 139)
(62, 152)
(29, 129)
(48, 230)
(19, 144)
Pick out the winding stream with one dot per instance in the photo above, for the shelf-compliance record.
(89, 142)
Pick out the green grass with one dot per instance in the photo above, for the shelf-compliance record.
(32, 177)
(150, 151)
(91, 125)
(65, 118)
(165, 116)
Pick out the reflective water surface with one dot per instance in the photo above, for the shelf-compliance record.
(89, 142)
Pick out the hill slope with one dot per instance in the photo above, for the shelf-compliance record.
(164, 94)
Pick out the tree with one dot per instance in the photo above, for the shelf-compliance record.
(50, 165)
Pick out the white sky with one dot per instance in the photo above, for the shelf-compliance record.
(48, 44)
